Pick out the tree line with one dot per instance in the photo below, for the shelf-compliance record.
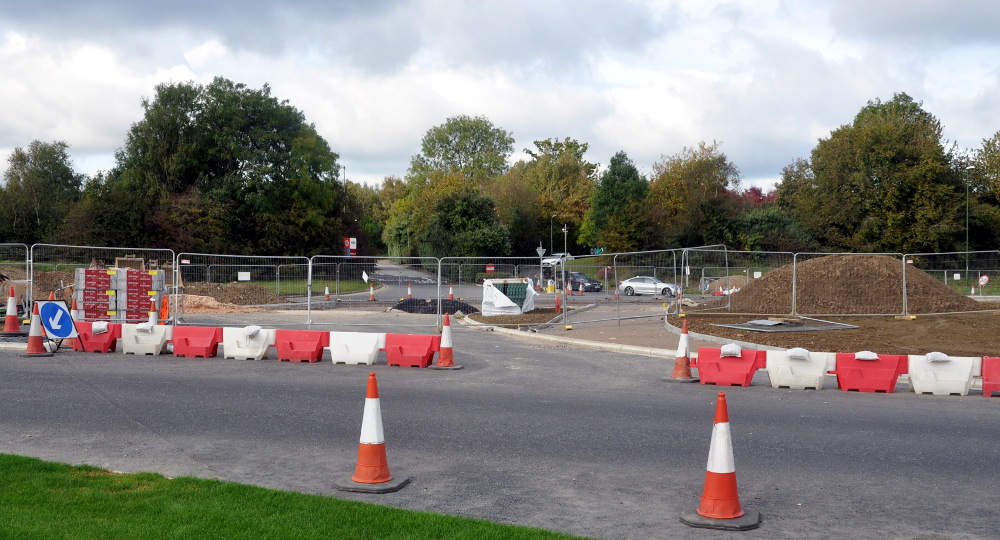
(223, 168)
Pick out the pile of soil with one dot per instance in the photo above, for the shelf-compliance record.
(240, 294)
(849, 285)
(206, 304)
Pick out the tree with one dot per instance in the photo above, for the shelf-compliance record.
(39, 188)
(465, 222)
(884, 183)
(268, 177)
(616, 218)
(556, 181)
(687, 190)
(473, 146)
(462, 154)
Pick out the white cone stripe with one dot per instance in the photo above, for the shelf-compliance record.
(720, 451)
(371, 425)
(35, 330)
(683, 347)
(11, 305)
(446, 337)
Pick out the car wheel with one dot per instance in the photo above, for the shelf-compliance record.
(629, 291)
(666, 292)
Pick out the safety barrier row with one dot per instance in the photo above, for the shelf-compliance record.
(256, 343)
(934, 373)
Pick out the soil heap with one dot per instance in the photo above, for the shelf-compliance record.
(850, 285)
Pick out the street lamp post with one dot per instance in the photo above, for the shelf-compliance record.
(967, 169)
(552, 249)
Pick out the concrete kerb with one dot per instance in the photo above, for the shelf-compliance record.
(612, 347)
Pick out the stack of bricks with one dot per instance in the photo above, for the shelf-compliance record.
(118, 294)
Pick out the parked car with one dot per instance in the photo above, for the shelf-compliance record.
(589, 284)
(647, 285)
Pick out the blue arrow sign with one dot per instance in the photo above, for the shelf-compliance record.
(56, 319)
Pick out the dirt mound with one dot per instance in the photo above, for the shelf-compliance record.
(850, 285)
(206, 304)
(240, 294)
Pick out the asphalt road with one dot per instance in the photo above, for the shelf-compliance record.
(552, 436)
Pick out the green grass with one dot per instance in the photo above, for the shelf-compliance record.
(40, 499)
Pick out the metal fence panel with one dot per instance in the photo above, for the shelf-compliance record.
(849, 284)
(14, 260)
(976, 274)
(374, 284)
(53, 270)
(248, 280)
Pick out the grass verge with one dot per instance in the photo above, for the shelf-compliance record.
(39, 499)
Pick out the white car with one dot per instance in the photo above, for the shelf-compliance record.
(647, 285)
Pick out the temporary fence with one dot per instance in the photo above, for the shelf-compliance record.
(708, 278)
(374, 284)
(248, 280)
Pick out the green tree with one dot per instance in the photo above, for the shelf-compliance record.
(883, 183)
(473, 146)
(266, 177)
(617, 216)
(39, 189)
(465, 222)
(462, 154)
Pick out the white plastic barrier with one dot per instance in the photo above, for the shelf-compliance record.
(143, 338)
(247, 343)
(355, 347)
(942, 375)
(798, 368)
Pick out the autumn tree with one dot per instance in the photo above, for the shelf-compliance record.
(693, 198)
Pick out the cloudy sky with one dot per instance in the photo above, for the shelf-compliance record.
(767, 78)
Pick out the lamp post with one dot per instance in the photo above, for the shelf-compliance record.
(967, 169)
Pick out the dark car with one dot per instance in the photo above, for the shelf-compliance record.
(589, 284)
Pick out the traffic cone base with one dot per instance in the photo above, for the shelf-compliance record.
(748, 521)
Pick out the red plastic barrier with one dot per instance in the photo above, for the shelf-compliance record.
(991, 375)
(104, 342)
(300, 345)
(196, 341)
(409, 350)
(869, 375)
(713, 368)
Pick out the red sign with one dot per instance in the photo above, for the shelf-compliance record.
(490, 268)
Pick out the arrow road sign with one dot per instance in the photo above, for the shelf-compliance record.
(56, 319)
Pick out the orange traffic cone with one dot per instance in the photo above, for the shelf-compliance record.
(165, 309)
(326, 293)
(451, 294)
(35, 345)
(11, 322)
(682, 364)
(558, 303)
(409, 291)
(371, 293)
(74, 315)
(720, 503)
(446, 356)
(371, 475)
